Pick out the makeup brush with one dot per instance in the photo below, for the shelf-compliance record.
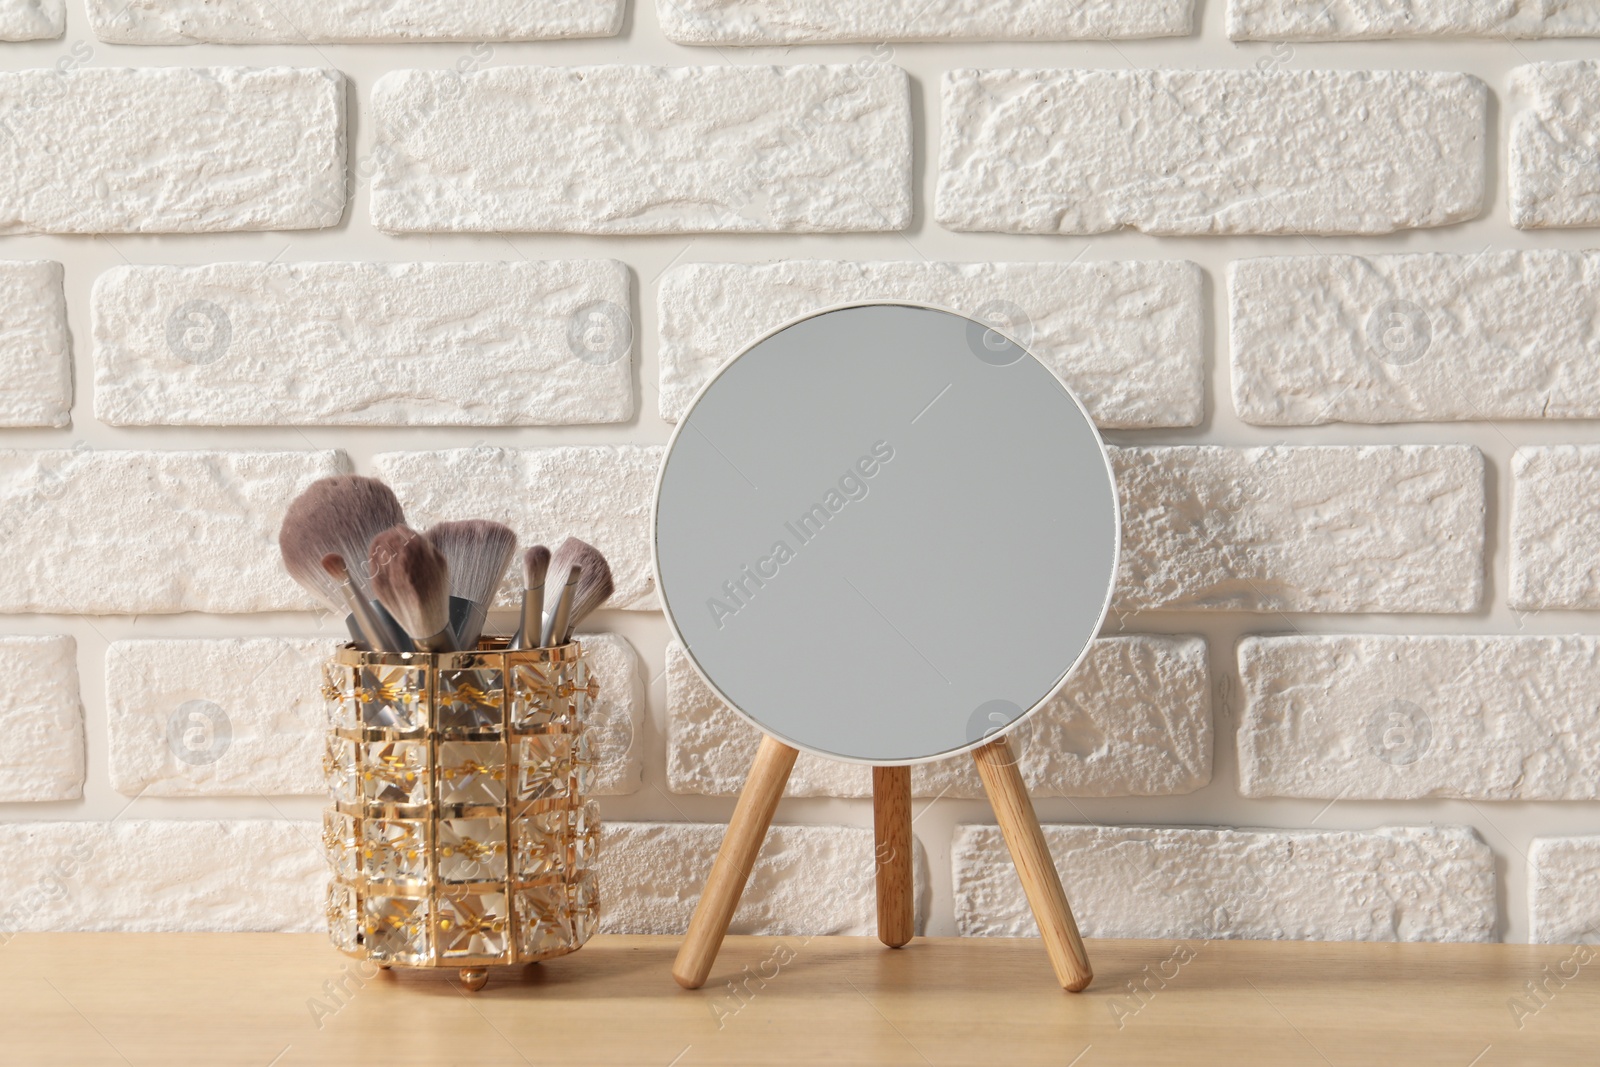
(373, 630)
(593, 585)
(476, 552)
(412, 580)
(562, 611)
(535, 562)
(339, 515)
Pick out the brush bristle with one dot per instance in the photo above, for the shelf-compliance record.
(477, 553)
(412, 580)
(338, 515)
(594, 582)
(535, 565)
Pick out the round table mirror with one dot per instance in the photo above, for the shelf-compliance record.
(885, 533)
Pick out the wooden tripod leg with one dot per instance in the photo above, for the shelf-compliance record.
(746, 830)
(891, 818)
(1020, 826)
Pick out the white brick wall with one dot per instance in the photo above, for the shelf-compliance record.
(363, 344)
(146, 875)
(41, 718)
(740, 22)
(1555, 527)
(1220, 151)
(172, 150)
(1369, 717)
(130, 532)
(323, 22)
(1564, 875)
(1554, 180)
(34, 346)
(793, 149)
(32, 20)
(1376, 20)
(1389, 884)
(1373, 528)
(490, 251)
(1416, 338)
(1126, 337)
(226, 717)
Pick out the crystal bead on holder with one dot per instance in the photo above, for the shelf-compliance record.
(460, 834)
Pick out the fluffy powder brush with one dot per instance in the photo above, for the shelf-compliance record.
(476, 553)
(412, 580)
(592, 588)
(339, 516)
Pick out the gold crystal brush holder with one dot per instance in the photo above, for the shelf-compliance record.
(460, 833)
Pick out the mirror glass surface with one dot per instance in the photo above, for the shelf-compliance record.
(885, 533)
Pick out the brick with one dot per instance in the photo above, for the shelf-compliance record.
(1414, 338)
(1555, 529)
(32, 20)
(1128, 338)
(172, 149)
(35, 349)
(637, 150)
(1392, 528)
(150, 876)
(41, 718)
(809, 880)
(710, 747)
(1564, 890)
(1210, 152)
(240, 716)
(1369, 717)
(811, 21)
(348, 21)
(1376, 20)
(364, 344)
(1554, 138)
(1134, 720)
(134, 532)
(244, 716)
(602, 494)
(1395, 883)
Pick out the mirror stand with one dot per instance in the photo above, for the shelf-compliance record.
(891, 800)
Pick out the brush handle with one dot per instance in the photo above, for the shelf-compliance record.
(558, 618)
(356, 636)
(468, 639)
(461, 618)
(569, 631)
(466, 621)
(361, 617)
(532, 625)
(392, 637)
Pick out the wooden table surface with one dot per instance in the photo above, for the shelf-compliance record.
(260, 999)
